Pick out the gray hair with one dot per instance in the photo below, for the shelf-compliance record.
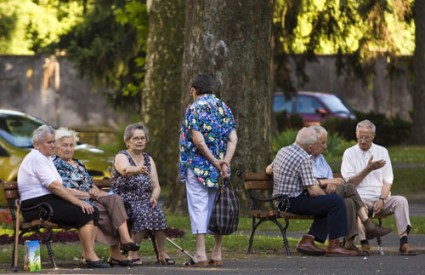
(41, 132)
(366, 124)
(306, 136)
(319, 129)
(129, 131)
(65, 133)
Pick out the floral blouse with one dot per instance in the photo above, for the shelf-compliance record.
(214, 119)
(75, 178)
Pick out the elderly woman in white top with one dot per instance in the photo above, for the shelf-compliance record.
(39, 181)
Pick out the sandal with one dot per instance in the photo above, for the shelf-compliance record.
(136, 261)
(125, 247)
(215, 263)
(192, 263)
(167, 261)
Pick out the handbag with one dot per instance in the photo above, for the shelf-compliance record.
(225, 214)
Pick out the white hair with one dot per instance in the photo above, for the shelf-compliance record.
(366, 124)
(307, 136)
(65, 132)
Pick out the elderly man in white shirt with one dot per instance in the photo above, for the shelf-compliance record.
(368, 167)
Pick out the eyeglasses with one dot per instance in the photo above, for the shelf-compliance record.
(138, 138)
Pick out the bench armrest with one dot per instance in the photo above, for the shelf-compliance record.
(45, 210)
(279, 202)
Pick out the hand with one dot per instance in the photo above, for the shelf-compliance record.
(153, 202)
(224, 170)
(144, 170)
(378, 205)
(374, 165)
(86, 207)
(330, 188)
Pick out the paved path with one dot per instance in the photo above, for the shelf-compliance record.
(253, 264)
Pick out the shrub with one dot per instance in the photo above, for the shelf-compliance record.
(389, 131)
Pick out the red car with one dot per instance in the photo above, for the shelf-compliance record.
(313, 107)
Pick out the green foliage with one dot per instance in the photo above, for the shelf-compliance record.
(358, 32)
(294, 121)
(27, 27)
(108, 48)
(389, 131)
(283, 139)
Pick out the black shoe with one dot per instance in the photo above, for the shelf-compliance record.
(113, 262)
(95, 264)
(129, 247)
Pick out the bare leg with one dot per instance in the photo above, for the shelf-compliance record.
(216, 253)
(201, 254)
(362, 213)
(137, 238)
(87, 234)
(124, 235)
(115, 252)
(160, 239)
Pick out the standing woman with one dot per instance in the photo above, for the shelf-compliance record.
(135, 179)
(207, 143)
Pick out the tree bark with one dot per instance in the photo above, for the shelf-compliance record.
(161, 104)
(232, 41)
(418, 94)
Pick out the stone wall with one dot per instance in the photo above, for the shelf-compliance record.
(50, 90)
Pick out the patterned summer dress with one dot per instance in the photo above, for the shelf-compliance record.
(137, 190)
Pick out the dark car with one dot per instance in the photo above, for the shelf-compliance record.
(312, 107)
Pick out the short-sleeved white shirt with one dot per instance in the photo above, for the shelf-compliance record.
(355, 160)
(35, 174)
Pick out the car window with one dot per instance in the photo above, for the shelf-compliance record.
(281, 104)
(335, 104)
(307, 104)
(17, 130)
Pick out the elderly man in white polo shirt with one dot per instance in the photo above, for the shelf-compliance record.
(367, 166)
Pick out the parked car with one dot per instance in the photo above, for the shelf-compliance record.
(312, 107)
(16, 130)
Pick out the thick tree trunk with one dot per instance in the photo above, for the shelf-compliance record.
(162, 87)
(418, 94)
(232, 41)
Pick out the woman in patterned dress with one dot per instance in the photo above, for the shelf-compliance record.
(207, 143)
(135, 179)
(112, 224)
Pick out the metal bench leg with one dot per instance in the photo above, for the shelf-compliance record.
(51, 254)
(251, 237)
(283, 232)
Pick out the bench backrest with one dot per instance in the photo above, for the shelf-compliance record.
(257, 181)
(11, 192)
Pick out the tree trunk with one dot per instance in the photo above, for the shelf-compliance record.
(162, 87)
(232, 41)
(418, 94)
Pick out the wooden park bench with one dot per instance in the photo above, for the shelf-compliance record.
(263, 207)
(42, 226)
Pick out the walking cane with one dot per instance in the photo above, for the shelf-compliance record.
(17, 225)
(181, 249)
